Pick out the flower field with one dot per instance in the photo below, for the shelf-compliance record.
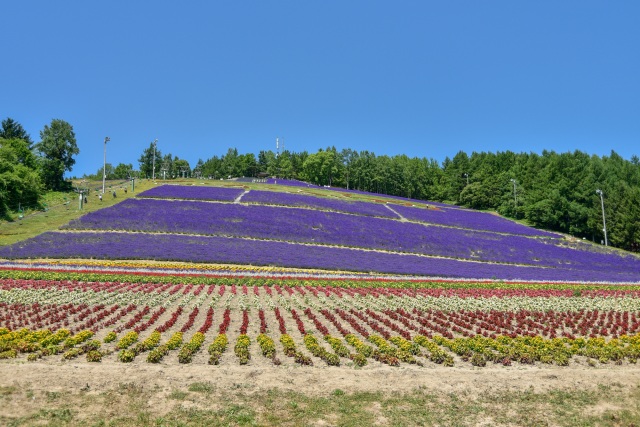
(353, 322)
(301, 200)
(240, 226)
(224, 276)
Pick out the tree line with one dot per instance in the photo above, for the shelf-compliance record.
(27, 169)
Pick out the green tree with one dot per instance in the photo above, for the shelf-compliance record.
(12, 129)
(146, 161)
(20, 184)
(123, 171)
(56, 148)
(109, 175)
(181, 167)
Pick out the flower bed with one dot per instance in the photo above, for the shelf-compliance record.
(320, 325)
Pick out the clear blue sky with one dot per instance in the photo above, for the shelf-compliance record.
(419, 78)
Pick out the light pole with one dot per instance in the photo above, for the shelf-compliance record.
(466, 175)
(515, 199)
(155, 142)
(104, 166)
(604, 222)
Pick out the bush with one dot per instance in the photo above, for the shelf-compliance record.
(94, 356)
(242, 349)
(478, 360)
(267, 346)
(111, 336)
(72, 353)
(156, 355)
(127, 340)
(126, 356)
(9, 354)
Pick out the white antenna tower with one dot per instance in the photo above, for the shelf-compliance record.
(277, 147)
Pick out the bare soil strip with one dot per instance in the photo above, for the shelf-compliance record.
(316, 380)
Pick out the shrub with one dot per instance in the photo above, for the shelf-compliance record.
(267, 346)
(94, 356)
(111, 336)
(242, 349)
(127, 340)
(126, 356)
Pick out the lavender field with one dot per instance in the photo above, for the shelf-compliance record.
(321, 234)
(176, 247)
(302, 200)
(468, 219)
(192, 193)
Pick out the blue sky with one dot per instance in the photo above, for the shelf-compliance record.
(419, 78)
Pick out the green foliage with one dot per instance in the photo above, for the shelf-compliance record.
(56, 148)
(110, 337)
(20, 184)
(217, 347)
(147, 163)
(127, 340)
(14, 130)
(267, 346)
(126, 356)
(241, 349)
(94, 356)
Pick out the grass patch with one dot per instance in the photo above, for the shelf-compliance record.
(202, 387)
(178, 395)
(128, 405)
(62, 208)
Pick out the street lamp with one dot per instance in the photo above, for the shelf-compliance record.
(466, 175)
(515, 199)
(104, 166)
(604, 222)
(155, 143)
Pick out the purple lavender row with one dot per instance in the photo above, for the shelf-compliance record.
(240, 251)
(305, 225)
(294, 183)
(192, 192)
(469, 219)
(302, 200)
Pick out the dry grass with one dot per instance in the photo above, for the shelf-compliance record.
(201, 403)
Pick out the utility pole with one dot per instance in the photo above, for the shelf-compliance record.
(604, 221)
(155, 143)
(104, 165)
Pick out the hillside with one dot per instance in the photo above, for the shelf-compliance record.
(183, 300)
(325, 229)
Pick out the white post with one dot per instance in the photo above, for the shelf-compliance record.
(604, 221)
(104, 166)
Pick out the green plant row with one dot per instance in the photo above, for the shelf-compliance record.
(157, 354)
(217, 347)
(477, 350)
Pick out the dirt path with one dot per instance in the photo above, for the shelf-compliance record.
(313, 381)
